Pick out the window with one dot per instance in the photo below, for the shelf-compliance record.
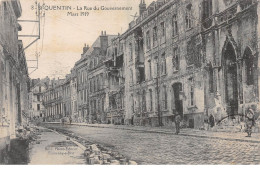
(148, 40)
(144, 101)
(163, 66)
(38, 107)
(211, 80)
(176, 60)
(94, 82)
(163, 29)
(174, 25)
(38, 98)
(207, 9)
(98, 85)
(76, 106)
(156, 67)
(164, 97)
(90, 85)
(85, 95)
(132, 76)
(101, 81)
(155, 36)
(188, 17)
(130, 51)
(150, 69)
(191, 92)
(249, 62)
(151, 99)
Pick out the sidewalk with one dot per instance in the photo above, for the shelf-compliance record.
(238, 136)
(53, 148)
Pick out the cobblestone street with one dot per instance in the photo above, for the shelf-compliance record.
(157, 148)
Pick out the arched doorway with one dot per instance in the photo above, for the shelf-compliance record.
(230, 77)
(177, 101)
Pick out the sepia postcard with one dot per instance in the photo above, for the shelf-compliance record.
(129, 82)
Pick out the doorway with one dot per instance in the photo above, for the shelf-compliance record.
(178, 103)
(230, 76)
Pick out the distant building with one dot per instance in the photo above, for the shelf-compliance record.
(53, 101)
(82, 91)
(38, 87)
(66, 88)
(73, 89)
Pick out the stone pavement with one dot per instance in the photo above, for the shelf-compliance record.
(165, 148)
(234, 136)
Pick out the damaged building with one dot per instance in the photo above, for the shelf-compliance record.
(95, 78)
(194, 58)
(14, 77)
(115, 77)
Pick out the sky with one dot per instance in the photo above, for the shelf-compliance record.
(63, 37)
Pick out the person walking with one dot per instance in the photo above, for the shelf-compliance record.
(177, 123)
(250, 121)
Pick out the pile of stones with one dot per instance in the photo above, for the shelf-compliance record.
(97, 155)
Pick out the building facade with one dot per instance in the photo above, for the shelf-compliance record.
(53, 101)
(96, 56)
(14, 79)
(196, 58)
(66, 88)
(189, 58)
(36, 108)
(74, 102)
(115, 82)
(81, 72)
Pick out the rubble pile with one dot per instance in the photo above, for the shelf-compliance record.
(96, 154)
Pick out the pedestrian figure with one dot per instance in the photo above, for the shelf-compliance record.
(177, 123)
(211, 121)
(70, 120)
(250, 121)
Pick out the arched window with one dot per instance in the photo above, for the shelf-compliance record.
(249, 64)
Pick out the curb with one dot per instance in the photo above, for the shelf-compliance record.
(172, 133)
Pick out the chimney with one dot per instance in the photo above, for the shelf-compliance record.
(142, 7)
(85, 49)
(103, 43)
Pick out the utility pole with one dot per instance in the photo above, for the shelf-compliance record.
(36, 37)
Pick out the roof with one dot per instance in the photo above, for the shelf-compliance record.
(96, 44)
